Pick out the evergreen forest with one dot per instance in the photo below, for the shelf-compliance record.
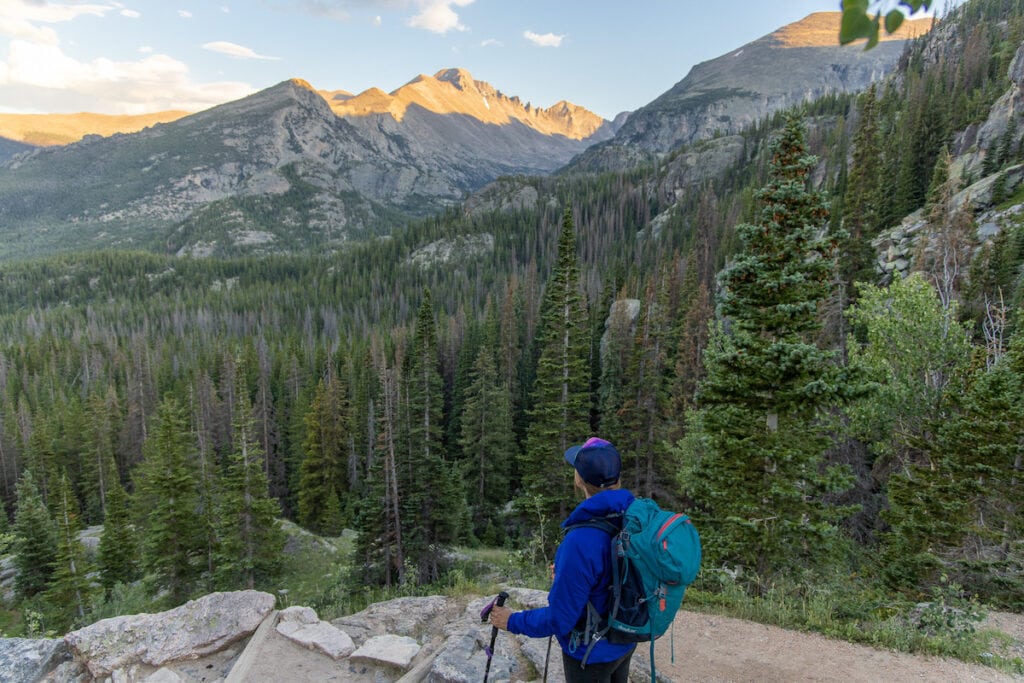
(823, 423)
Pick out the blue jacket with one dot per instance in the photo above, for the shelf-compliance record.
(582, 573)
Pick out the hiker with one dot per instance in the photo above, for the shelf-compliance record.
(583, 567)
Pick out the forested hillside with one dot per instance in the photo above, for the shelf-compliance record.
(730, 335)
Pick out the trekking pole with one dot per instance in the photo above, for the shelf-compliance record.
(547, 658)
(484, 613)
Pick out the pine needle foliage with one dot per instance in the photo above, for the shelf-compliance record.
(561, 391)
(119, 547)
(35, 539)
(760, 476)
(249, 539)
(167, 502)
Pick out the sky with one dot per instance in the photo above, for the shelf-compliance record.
(141, 56)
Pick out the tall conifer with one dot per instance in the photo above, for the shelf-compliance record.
(118, 551)
(760, 478)
(487, 441)
(34, 539)
(249, 538)
(862, 217)
(560, 415)
(166, 498)
(432, 488)
(69, 587)
(321, 473)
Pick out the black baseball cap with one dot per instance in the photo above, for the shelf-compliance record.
(597, 461)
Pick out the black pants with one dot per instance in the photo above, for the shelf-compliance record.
(606, 672)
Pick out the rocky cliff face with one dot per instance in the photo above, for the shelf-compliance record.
(798, 63)
(972, 145)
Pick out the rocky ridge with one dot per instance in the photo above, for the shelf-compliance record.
(455, 91)
(798, 63)
(278, 171)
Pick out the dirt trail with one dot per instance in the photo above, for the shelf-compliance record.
(719, 649)
(708, 648)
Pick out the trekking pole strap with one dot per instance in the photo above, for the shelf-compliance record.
(498, 601)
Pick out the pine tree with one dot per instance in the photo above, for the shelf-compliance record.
(5, 527)
(760, 478)
(35, 539)
(433, 500)
(379, 544)
(560, 415)
(862, 218)
(249, 538)
(41, 458)
(98, 468)
(646, 407)
(119, 548)
(959, 513)
(206, 469)
(166, 498)
(690, 337)
(68, 591)
(488, 444)
(320, 474)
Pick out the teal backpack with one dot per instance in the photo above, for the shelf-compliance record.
(657, 555)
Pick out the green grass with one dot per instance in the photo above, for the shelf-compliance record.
(315, 571)
(326, 581)
(850, 609)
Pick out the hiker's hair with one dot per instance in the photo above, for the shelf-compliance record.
(594, 490)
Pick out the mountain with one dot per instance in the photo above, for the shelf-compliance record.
(454, 91)
(61, 129)
(281, 170)
(797, 63)
(8, 148)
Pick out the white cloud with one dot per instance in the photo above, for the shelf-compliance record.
(377, 21)
(234, 50)
(19, 28)
(145, 49)
(130, 13)
(48, 13)
(43, 78)
(438, 15)
(491, 42)
(184, 14)
(225, 9)
(20, 18)
(544, 39)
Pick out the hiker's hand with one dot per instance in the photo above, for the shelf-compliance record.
(499, 617)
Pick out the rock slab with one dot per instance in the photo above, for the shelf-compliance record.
(301, 625)
(195, 629)
(410, 616)
(24, 659)
(463, 660)
(389, 649)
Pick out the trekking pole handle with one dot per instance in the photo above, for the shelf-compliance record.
(499, 601)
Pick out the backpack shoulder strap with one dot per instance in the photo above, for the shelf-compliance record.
(603, 523)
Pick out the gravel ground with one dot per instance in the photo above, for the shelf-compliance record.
(715, 648)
